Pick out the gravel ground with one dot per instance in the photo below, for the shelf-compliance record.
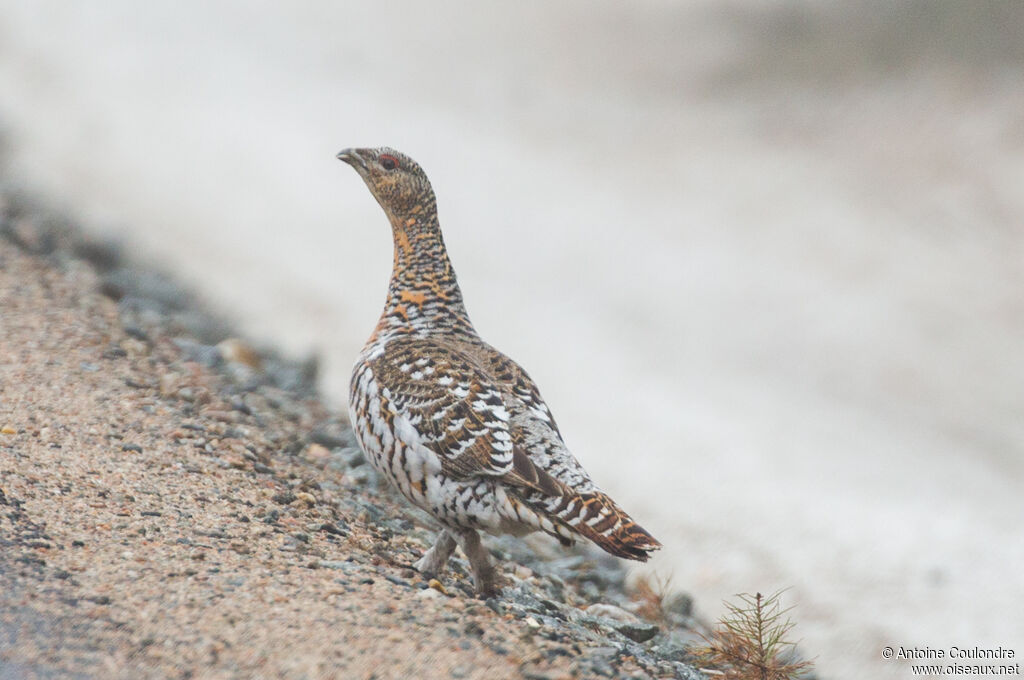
(177, 503)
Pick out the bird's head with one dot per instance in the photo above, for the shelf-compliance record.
(395, 180)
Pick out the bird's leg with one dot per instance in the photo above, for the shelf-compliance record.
(484, 574)
(434, 560)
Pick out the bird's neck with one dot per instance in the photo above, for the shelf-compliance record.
(424, 294)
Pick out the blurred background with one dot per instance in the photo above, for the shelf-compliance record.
(765, 259)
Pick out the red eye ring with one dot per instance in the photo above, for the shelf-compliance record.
(388, 162)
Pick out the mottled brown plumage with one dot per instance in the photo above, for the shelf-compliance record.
(456, 425)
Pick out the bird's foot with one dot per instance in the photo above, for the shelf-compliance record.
(489, 585)
(486, 579)
(434, 560)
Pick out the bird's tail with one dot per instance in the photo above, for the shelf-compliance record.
(565, 513)
(596, 517)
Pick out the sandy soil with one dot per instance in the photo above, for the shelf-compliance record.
(155, 523)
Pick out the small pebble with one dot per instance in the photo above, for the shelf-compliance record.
(522, 572)
(638, 632)
(235, 462)
(238, 351)
(610, 611)
(114, 352)
(680, 604)
(317, 455)
(169, 383)
(137, 333)
(328, 439)
(305, 497)
(334, 529)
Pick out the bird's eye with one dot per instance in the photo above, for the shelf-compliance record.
(388, 161)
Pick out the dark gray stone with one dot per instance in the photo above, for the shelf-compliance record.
(129, 282)
(638, 632)
(207, 355)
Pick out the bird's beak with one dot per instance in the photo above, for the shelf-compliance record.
(352, 157)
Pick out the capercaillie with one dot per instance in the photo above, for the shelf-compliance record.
(456, 425)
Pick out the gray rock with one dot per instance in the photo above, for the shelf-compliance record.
(363, 476)
(126, 282)
(680, 604)
(103, 254)
(207, 355)
(673, 650)
(139, 312)
(204, 327)
(332, 438)
(638, 632)
(611, 612)
(353, 457)
(137, 333)
(429, 594)
(33, 235)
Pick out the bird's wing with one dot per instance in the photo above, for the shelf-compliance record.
(458, 410)
(519, 385)
(579, 504)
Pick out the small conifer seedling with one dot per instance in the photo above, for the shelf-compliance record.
(751, 642)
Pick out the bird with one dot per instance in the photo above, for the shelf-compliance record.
(458, 427)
